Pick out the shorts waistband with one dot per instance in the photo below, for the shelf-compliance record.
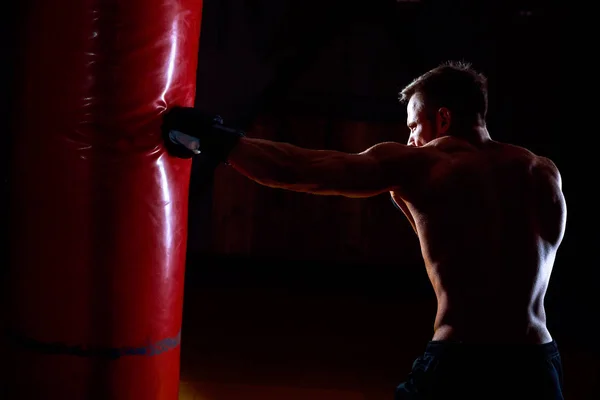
(546, 350)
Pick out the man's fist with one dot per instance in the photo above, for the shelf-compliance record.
(188, 131)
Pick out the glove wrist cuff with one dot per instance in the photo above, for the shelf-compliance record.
(224, 139)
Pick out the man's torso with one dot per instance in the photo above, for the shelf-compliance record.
(489, 220)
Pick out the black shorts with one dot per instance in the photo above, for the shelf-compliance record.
(473, 371)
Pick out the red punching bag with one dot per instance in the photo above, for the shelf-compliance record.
(99, 209)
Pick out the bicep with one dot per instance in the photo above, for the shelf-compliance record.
(384, 167)
(405, 169)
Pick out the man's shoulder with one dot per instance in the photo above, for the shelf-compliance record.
(545, 169)
(541, 167)
(515, 150)
(493, 152)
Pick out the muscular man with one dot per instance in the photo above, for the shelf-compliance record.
(489, 216)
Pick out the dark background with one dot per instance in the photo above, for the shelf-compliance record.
(335, 69)
(280, 279)
(343, 279)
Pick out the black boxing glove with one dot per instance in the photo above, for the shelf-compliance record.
(188, 131)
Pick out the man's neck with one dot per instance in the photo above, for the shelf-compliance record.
(477, 134)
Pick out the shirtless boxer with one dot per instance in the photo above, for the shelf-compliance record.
(489, 216)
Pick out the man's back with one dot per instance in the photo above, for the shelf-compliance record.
(489, 219)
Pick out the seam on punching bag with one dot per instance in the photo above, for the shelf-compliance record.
(112, 353)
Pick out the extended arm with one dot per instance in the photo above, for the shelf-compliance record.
(381, 168)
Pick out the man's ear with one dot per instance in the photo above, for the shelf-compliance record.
(443, 118)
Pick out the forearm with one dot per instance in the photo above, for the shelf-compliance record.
(281, 165)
